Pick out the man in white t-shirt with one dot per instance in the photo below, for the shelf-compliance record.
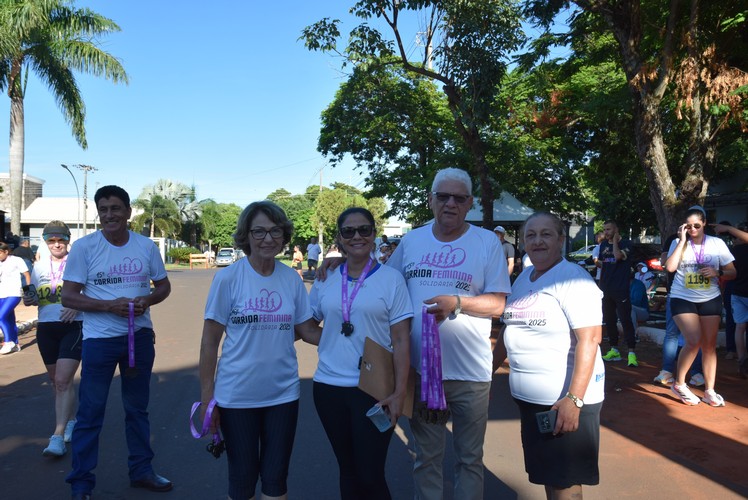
(108, 276)
(461, 271)
(313, 251)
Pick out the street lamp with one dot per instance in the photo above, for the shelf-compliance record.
(79, 198)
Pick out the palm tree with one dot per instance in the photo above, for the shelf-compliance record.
(53, 39)
(158, 213)
(184, 197)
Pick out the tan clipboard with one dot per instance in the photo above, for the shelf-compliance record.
(377, 375)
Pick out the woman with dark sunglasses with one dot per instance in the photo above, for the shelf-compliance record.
(360, 299)
(698, 262)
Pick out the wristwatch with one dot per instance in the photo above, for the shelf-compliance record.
(458, 307)
(577, 402)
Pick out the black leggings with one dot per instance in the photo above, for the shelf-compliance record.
(258, 444)
(360, 448)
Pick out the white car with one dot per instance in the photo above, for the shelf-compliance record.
(225, 257)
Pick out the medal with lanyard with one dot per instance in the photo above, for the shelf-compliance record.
(55, 278)
(695, 280)
(347, 327)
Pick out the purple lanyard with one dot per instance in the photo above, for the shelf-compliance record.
(131, 334)
(700, 256)
(56, 276)
(206, 422)
(432, 389)
(344, 289)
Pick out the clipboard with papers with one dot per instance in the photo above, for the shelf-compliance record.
(377, 375)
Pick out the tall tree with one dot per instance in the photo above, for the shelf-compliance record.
(677, 52)
(53, 39)
(466, 44)
(158, 213)
(397, 126)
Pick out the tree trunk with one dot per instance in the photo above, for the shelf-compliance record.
(16, 160)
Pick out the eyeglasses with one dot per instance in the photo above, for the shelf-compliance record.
(695, 226)
(460, 199)
(363, 231)
(260, 233)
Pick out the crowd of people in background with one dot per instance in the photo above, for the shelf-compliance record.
(429, 299)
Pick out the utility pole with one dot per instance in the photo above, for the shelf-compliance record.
(86, 169)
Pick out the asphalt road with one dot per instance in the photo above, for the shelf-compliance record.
(630, 466)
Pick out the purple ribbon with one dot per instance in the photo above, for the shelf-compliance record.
(131, 334)
(344, 289)
(206, 421)
(432, 389)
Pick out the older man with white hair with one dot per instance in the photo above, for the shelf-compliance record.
(458, 273)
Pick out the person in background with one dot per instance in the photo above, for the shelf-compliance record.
(599, 237)
(646, 276)
(552, 338)
(639, 302)
(673, 340)
(698, 261)
(360, 299)
(739, 290)
(297, 260)
(384, 252)
(59, 333)
(259, 306)
(23, 250)
(12, 269)
(614, 282)
(333, 252)
(108, 276)
(313, 251)
(507, 247)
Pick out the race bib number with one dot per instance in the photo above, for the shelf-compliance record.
(696, 281)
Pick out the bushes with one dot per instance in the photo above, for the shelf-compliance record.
(182, 254)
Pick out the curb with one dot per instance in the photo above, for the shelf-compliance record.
(25, 326)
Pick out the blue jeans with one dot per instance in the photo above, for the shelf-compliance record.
(99, 359)
(670, 344)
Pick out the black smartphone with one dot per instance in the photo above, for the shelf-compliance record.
(546, 421)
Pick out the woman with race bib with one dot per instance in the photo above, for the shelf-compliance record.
(698, 262)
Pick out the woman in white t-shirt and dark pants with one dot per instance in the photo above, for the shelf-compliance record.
(260, 305)
(698, 262)
(360, 299)
(554, 328)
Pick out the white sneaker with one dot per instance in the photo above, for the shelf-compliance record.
(9, 347)
(67, 436)
(697, 380)
(685, 394)
(712, 398)
(664, 378)
(56, 447)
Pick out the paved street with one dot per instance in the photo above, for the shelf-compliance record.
(652, 446)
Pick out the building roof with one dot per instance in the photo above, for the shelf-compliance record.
(506, 210)
(68, 210)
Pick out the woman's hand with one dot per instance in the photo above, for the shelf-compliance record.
(394, 404)
(709, 272)
(683, 232)
(568, 416)
(215, 418)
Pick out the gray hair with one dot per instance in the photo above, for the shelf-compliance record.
(453, 174)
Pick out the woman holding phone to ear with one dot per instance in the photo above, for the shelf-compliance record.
(698, 262)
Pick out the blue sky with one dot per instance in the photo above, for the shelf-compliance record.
(221, 94)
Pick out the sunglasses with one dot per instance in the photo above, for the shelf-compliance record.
(695, 226)
(259, 233)
(364, 231)
(460, 199)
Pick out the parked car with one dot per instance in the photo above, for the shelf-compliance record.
(583, 257)
(225, 257)
(647, 253)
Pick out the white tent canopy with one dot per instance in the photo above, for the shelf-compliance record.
(507, 210)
